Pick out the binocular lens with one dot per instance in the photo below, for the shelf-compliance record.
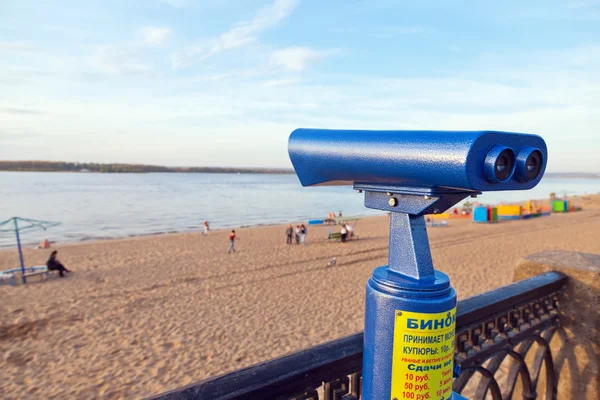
(533, 165)
(504, 165)
(530, 163)
(499, 164)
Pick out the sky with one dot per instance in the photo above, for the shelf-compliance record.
(223, 82)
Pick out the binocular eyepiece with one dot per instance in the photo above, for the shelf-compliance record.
(473, 161)
(501, 164)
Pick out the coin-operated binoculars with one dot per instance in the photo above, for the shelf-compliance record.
(410, 307)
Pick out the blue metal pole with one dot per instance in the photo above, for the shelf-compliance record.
(410, 311)
(20, 251)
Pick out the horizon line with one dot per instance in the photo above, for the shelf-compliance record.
(6, 164)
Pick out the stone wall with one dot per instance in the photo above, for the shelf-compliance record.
(575, 347)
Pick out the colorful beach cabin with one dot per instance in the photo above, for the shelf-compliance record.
(485, 214)
(560, 206)
(511, 211)
(532, 209)
(563, 206)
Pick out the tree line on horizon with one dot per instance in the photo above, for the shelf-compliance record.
(63, 166)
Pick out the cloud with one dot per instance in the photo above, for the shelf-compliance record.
(17, 45)
(585, 56)
(117, 60)
(240, 35)
(153, 35)
(129, 58)
(19, 111)
(298, 58)
(6, 136)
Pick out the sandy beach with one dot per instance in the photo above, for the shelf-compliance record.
(140, 316)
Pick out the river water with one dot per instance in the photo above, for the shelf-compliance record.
(100, 206)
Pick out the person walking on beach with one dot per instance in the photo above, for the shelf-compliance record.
(344, 232)
(297, 234)
(231, 242)
(54, 265)
(289, 232)
(205, 232)
(303, 233)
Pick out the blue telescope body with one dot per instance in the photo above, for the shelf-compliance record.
(468, 160)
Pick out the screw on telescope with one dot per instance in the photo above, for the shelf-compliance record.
(393, 202)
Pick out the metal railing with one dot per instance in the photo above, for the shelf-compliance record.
(502, 345)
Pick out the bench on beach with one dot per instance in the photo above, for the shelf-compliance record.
(337, 236)
(8, 276)
(334, 236)
(38, 270)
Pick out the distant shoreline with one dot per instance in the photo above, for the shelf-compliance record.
(116, 168)
(574, 175)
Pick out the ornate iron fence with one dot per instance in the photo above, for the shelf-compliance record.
(502, 346)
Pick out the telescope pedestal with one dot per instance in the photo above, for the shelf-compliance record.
(410, 308)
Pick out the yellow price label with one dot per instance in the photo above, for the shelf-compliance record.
(423, 355)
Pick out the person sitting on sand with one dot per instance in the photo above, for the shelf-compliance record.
(231, 242)
(54, 265)
(44, 245)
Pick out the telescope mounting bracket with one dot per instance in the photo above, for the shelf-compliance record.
(409, 257)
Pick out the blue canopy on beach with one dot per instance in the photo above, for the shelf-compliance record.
(17, 225)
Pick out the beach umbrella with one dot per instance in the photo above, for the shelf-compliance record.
(18, 225)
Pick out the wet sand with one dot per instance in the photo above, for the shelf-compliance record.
(140, 316)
